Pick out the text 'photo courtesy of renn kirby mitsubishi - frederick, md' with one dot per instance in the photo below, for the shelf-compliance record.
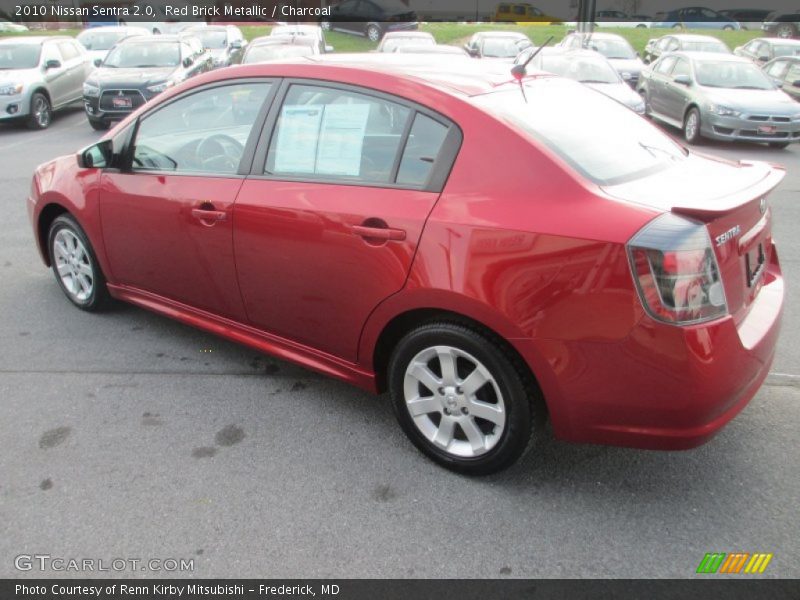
(399, 299)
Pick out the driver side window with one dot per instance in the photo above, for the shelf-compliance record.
(204, 132)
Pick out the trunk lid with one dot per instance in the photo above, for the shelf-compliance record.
(730, 198)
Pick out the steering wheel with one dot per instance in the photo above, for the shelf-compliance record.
(219, 150)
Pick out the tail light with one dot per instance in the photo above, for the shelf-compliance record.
(676, 271)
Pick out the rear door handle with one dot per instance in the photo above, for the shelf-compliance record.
(380, 233)
(209, 214)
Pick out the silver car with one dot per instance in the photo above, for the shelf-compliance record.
(588, 67)
(615, 48)
(719, 97)
(39, 75)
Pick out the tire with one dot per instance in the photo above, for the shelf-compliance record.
(445, 425)
(374, 33)
(691, 127)
(99, 125)
(325, 25)
(677, 26)
(156, 31)
(727, 28)
(785, 31)
(75, 265)
(779, 145)
(41, 112)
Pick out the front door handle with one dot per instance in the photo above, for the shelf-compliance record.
(380, 233)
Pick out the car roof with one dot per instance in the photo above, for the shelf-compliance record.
(695, 37)
(102, 28)
(204, 28)
(34, 39)
(711, 56)
(508, 34)
(774, 40)
(153, 39)
(266, 40)
(601, 35)
(455, 75)
(411, 34)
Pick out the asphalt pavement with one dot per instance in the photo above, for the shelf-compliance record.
(125, 435)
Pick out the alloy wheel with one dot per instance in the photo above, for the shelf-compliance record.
(454, 401)
(74, 265)
(41, 111)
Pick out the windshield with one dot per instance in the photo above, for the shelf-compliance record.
(731, 75)
(718, 47)
(100, 40)
(584, 127)
(19, 56)
(264, 53)
(503, 47)
(130, 56)
(213, 40)
(787, 50)
(580, 68)
(616, 49)
(393, 44)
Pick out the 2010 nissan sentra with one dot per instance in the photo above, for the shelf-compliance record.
(493, 252)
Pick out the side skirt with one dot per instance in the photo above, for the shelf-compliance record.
(249, 336)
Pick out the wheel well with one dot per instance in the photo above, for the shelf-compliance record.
(405, 322)
(46, 218)
(41, 90)
(688, 108)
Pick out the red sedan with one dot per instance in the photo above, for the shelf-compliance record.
(491, 253)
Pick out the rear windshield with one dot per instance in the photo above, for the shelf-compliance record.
(601, 139)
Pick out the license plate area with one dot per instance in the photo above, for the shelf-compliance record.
(755, 263)
(121, 102)
(767, 129)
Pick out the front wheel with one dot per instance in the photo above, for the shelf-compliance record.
(691, 127)
(374, 33)
(98, 124)
(75, 265)
(41, 113)
(463, 399)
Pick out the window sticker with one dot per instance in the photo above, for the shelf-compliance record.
(321, 139)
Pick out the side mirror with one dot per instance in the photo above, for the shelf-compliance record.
(683, 80)
(96, 156)
(328, 48)
(236, 44)
(98, 62)
(796, 83)
(52, 64)
(188, 62)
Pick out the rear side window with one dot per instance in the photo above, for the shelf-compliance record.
(329, 133)
(422, 148)
(68, 50)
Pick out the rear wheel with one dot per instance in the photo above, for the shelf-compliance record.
(75, 265)
(373, 33)
(325, 25)
(41, 113)
(463, 399)
(727, 28)
(691, 127)
(785, 30)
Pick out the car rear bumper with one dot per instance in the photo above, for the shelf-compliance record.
(401, 26)
(737, 129)
(662, 387)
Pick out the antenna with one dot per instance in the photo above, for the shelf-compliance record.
(519, 71)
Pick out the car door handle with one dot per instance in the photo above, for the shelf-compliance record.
(209, 214)
(380, 233)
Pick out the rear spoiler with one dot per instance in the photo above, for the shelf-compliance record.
(712, 209)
